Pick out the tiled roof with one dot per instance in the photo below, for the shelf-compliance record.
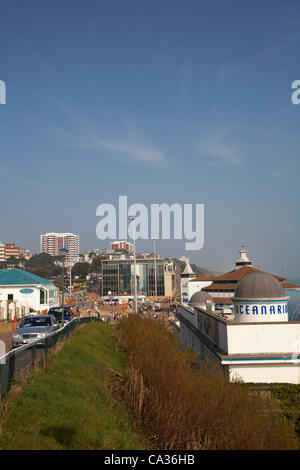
(238, 274)
(203, 278)
(219, 286)
(288, 285)
(18, 276)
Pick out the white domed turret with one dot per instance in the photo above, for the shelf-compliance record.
(243, 259)
(201, 299)
(259, 297)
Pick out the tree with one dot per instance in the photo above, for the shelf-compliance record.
(13, 261)
(42, 265)
(81, 269)
(96, 266)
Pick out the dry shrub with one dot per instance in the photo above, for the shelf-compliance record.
(180, 407)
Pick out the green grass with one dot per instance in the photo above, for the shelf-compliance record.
(289, 397)
(67, 404)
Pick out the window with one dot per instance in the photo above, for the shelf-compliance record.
(43, 296)
(37, 321)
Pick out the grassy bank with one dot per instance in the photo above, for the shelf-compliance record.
(68, 404)
(181, 407)
(106, 376)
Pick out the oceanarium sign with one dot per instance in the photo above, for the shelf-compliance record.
(256, 311)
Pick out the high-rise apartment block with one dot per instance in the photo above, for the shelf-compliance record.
(11, 250)
(2, 252)
(121, 244)
(52, 243)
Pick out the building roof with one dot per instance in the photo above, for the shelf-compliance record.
(18, 276)
(259, 286)
(237, 274)
(219, 286)
(188, 269)
(203, 278)
(288, 285)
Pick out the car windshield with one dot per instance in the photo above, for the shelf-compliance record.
(59, 314)
(38, 321)
(58, 311)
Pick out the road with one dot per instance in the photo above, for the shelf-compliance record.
(105, 312)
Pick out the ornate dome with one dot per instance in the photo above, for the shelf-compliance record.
(200, 297)
(259, 286)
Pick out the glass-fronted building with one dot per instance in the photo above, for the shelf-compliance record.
(118, 277)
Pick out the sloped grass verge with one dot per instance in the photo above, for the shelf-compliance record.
(67, 404)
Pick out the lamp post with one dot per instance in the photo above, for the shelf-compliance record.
(155, 278)
(134, 253)
(63, 252)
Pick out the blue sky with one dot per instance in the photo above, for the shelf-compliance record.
(163, 101)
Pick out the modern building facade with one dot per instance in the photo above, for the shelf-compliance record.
(153, 277)
(52, 243)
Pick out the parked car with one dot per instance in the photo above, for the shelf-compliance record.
(57, 313)
(33, 328)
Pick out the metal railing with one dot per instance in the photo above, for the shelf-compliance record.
(17, 363)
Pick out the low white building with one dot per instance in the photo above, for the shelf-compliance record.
(20, 289)
(258, 345)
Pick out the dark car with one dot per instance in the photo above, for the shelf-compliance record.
(34, 328)
(57, 313)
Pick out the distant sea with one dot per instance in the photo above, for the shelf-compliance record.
(294, 280)
(294, 301)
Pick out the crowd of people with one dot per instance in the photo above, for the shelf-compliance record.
(112, 312)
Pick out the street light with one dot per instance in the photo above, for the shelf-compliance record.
(134, 253)
(64, 252)
(155, 278)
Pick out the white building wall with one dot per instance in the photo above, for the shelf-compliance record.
(268, 373)
(32, 299)
(263, 338)
(196, 286)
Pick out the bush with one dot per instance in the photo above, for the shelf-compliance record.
(184, 408)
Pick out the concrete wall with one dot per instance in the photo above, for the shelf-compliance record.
(204, 354)
(268, 373)
(263, 338)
